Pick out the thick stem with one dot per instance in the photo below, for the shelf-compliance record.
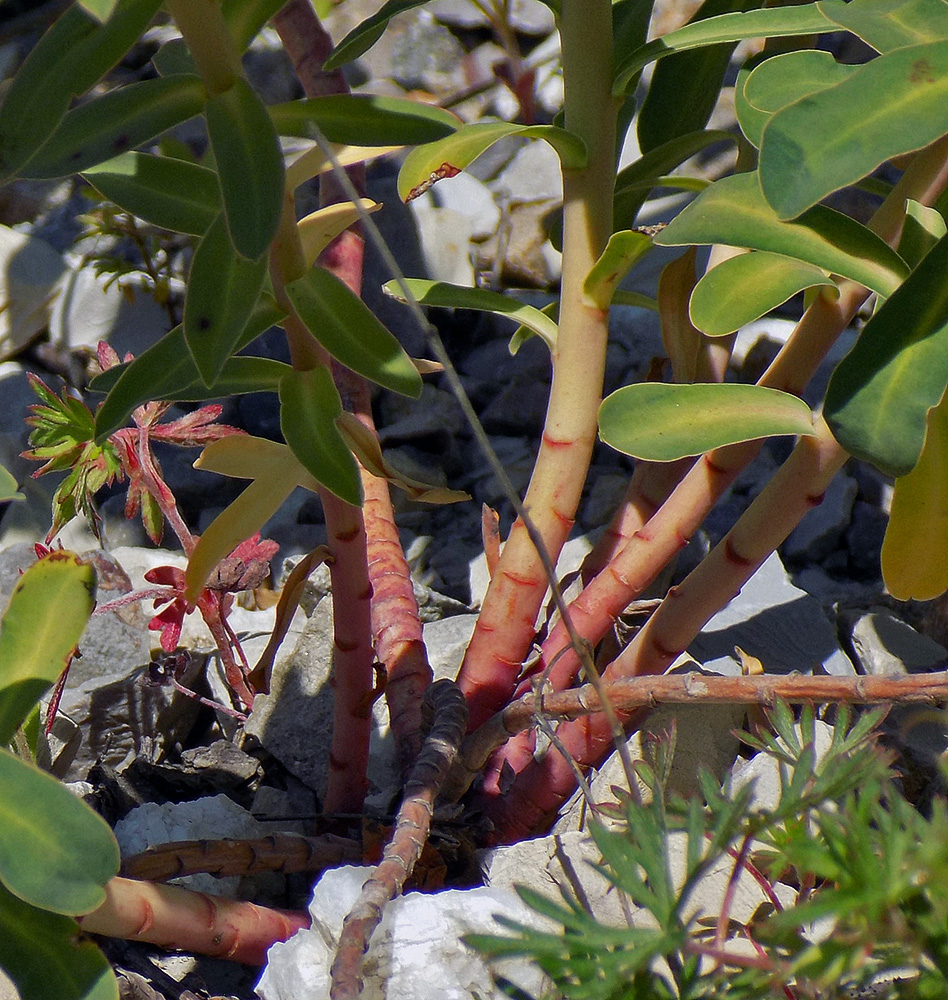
(179, 919)
(507, 622)
(395, 623)
(795, 488)
(651, 547)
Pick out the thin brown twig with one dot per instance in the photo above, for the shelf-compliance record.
(631, 693)
(448, 711)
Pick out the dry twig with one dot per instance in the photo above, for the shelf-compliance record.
(445, 704)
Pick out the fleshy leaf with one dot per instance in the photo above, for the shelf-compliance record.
(250, 167)
(425, 165)
(364, 35)
(55, 852)
(320, 228)
(166, 369)
(892, 24)
(351, 332)
(245, 18)
(74, 53)
(622, 252)
(662, 423)
(681, 339)
(915, 549)
(8, 487)
(634, 181)
(118, 121)
(774, 22)
(45, 957)
(880, 393)
(365, 447)
(309, 406)
(922, 229)
(249, 457)
(223, 288)
(162, 190)
(741, 289)
(814, 147)
(447, 296)
(314, 161)
(241, 519)
(44, 621)
(685, 86)
(733, 211)
(364, 120)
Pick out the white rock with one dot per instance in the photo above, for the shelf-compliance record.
(416, 953)
(212, 817)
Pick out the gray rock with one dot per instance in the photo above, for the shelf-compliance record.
(14, 431)
(533, 175)
(820, 531)
(885, 645)
(864, 537)
(294, 721)
(446, 641)
(120, 715)
(782, 626)
(528, 16)
(425, 55)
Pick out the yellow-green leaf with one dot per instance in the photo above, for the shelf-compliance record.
(915, 549)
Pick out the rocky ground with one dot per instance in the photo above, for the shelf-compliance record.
(161, 767)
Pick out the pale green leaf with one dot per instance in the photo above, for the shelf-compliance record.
(661, 423)
(741, 289)
(733, 211)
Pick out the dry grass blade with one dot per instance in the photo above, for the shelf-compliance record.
(446, 707)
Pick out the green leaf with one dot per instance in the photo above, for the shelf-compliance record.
(250, 166)
(891, 105)
(44, 620)
(447, 296)
(915, 549)
(363, 36)
(223, 288)
(741, 289)
(781, 80)
(449, 156)
(880, 393)
(789, 76)
(246, 18)
(623, 250)
(922, 229)
(55, 852)
(162, 190)
(892, 24)
(174, 59)
(101, 10)
(45, 957)
(74, 53)
(8, 487)
(167, 371)
(630, 189)
(119, 120)
(360, 120)
(685, 86)
(351, 332)
(662, 423)
(733, 211)
(774, 22)
(309, 406)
